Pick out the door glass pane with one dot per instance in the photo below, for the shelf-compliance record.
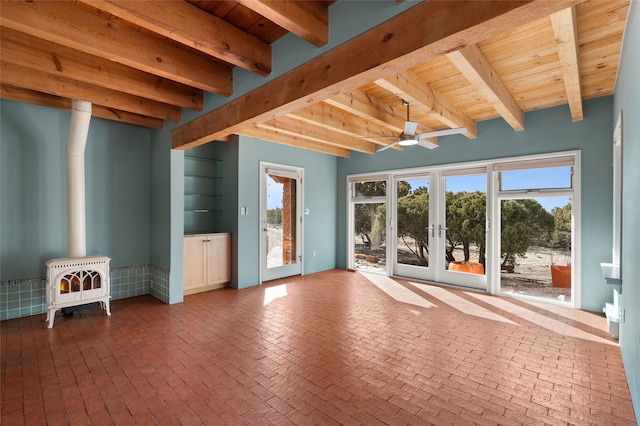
(281, 221)
(535, 247)
(412, 245)
(369, 235)
(466, 212)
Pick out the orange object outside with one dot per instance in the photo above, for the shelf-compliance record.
(465, 266)
(561, 276)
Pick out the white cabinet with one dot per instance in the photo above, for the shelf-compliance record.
(207, 262)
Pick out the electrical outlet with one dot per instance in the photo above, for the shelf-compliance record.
(314, 253)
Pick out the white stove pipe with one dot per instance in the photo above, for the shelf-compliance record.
(76, 222)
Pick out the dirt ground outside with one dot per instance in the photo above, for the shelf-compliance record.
(531, 275)
(274, 246)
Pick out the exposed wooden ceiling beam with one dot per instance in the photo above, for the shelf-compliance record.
(306, 19)
(371, 109)
(325, 115)
(63, 23)
(298, 142)
(294, 127)
(33, 52)
(565, 30)
(409, 87)
(424, 32)
(51, 101)
(186, 24)
(58, 85)
(475, 66)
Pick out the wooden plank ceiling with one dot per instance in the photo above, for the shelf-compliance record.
(454, 62)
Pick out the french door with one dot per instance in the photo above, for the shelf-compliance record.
(439, 227)
(281, 221)
(504, 226)
(416, 252)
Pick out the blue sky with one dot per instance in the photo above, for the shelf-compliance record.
(274, 194)
(557, 177)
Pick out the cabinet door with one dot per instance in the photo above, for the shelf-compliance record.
(219, 259)
(194, 262)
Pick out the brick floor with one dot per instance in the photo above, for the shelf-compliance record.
(327, 348)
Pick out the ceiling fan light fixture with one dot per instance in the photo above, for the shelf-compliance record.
(408, 142)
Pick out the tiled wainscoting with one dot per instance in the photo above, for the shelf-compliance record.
(159, 283)
(24, 297)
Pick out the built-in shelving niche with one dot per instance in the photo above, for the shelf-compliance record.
(201, 195)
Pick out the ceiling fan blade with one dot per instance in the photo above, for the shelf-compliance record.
(410, 127)
(443, 132)
(382, 148)
(427, 144)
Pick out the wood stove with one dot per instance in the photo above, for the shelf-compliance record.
(77, 281)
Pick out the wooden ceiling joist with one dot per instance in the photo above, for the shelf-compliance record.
(33, 52)
(409, 87)
(565, 30)
(306, 19)
(358, 103)
(63, 23)
(58, 85)
(294, 127)
(296, 141)
(51, 101)
(472, 63)
(186, 24)
(427, 30)
(324, 115)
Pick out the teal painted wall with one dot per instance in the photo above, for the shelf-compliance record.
(160, 200)
(319, 198)
(547, 130)
(33, 190)
(627, 100)
(227, 221)
(176, 291)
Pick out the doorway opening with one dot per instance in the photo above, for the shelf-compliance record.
(281, 219)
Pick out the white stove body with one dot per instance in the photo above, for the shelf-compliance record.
(77, 281)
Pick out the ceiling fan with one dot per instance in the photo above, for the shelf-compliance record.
(410, 137)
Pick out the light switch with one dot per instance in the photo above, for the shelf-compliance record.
(243, 210)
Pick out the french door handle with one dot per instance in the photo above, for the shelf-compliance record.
(432, 228)
(440, 229)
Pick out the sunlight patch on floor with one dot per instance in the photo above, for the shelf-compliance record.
(396, 290)
(587, 318)
(538, 319)
(273, 293)
(461, 304)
